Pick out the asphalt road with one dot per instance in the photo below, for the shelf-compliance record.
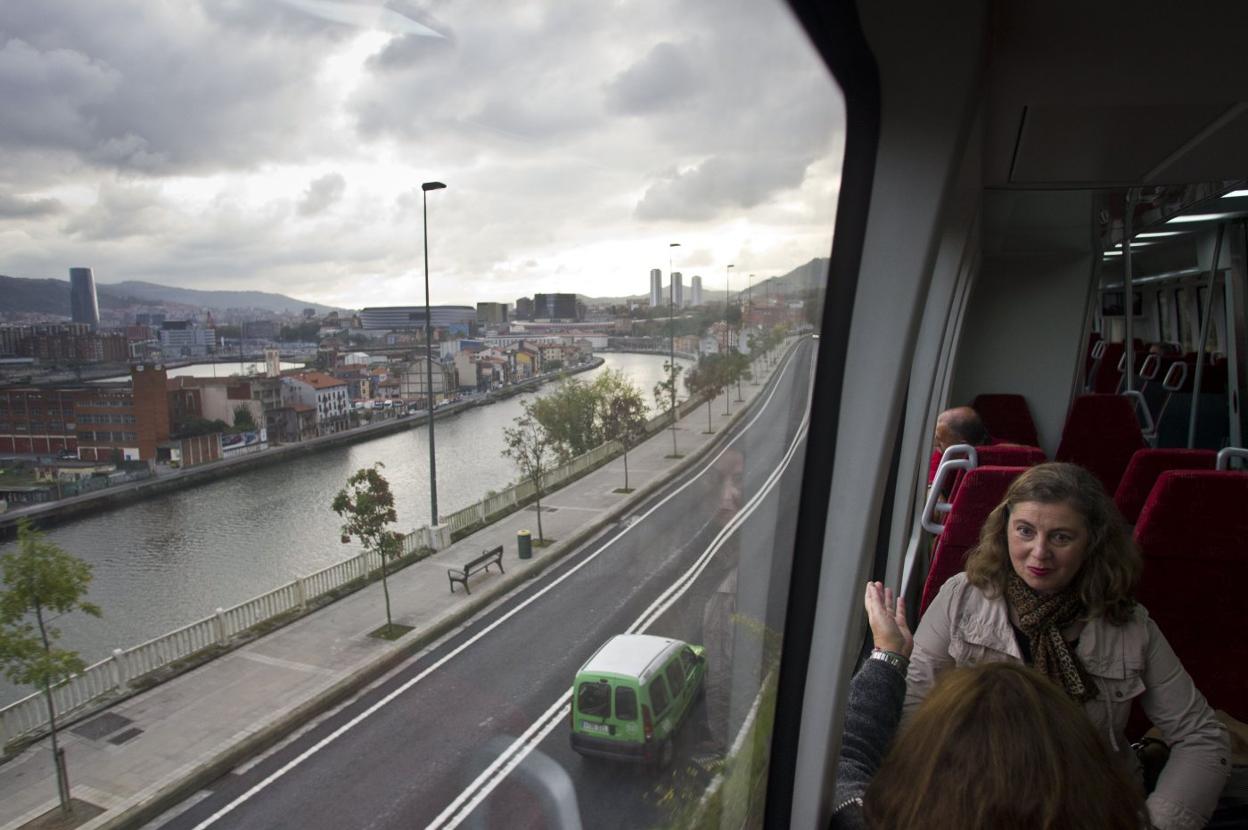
(433, 743)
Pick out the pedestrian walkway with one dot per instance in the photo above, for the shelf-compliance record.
(145, 753)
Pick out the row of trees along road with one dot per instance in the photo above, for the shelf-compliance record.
(571, 421)
(715, 373)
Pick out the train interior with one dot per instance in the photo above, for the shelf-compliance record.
(1013, 174)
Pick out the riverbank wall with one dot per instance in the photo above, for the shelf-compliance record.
(50, 513)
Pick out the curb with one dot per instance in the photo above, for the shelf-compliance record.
(175, 787)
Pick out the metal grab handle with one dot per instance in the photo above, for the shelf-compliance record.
(1149, 427)
(1122, 362)
(1227, 453)
(1171, 383)
(1150, 367)
(1098, 350)
(949, 465)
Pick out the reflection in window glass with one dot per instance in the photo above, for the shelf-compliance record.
(594, 699)
(625, 703)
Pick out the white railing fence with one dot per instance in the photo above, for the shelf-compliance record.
(116, 674)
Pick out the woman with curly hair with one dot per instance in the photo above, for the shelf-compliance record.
(1049, 585)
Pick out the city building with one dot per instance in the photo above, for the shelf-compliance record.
(119, 421)
(555, 307)
(656, 288)
(37, 420)
(413, 386)
(185, 338)
(149, 318)
(84, 306)
(491, 314)
(327, 395)
(678, 290)
(455, 319)
(524, 309)
(695, 291)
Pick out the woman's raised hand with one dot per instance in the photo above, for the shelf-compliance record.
(887, 615)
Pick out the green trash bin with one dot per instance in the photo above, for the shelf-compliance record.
(524, 541)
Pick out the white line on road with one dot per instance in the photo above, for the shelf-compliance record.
(476, 792)
(346, 727)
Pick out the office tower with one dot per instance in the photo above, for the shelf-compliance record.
(554, 307)
(695, 291)
(656, 288)
(83, 305)
(524, 308)
(678, 291)
(491, 314)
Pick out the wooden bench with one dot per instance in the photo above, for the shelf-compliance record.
(481, 563)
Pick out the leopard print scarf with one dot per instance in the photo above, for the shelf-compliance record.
(1042, 617)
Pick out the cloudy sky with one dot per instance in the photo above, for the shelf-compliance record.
(280, 145)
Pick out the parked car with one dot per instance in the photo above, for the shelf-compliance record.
(632, 695)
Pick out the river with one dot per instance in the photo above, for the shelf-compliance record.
(174, 558)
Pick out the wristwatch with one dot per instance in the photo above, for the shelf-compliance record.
(897, 661)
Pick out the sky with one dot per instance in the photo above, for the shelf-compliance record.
(279, 145)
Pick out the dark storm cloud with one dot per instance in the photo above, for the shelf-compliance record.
(153, 88)
(718, 183)
(660, 81)
(13, 206)
(322, 194)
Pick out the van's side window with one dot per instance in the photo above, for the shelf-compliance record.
(688, 660)
(675, 677)
(625, 703)
(658, 695)
(594, 699)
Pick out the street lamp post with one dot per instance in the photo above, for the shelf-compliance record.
(727, 332)
(433, 467)
(671, 337)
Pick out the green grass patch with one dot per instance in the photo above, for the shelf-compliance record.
(543, 543)
(390, 632)
(624, 490)
(675, 455)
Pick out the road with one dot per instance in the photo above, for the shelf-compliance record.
(432, 744)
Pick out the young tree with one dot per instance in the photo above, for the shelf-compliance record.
(367, 507)
(706, 378)
(40, 579)
(665, 394)
(621, 412)
(739, 369)
(532, 449)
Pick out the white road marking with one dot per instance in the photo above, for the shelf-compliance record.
(346, 727)
(480, 788)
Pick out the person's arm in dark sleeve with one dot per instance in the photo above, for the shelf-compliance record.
(875, 697)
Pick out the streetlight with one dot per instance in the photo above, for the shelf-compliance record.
(671, 337)
(727, 332)
(433, 467)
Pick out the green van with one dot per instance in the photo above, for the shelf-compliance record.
(632, 695)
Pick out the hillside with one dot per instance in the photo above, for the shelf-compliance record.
(34, 296)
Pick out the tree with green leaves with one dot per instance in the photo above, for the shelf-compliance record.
(367, 507)
(41, 579)
(665, 394)
(532, 449)
(569, 415)
(621, 412)
(739, 370)
(707, 378)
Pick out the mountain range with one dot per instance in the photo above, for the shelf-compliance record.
(49, 296)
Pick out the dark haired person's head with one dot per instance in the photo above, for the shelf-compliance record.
(960, 425)
(999, 745)
(1057, 528)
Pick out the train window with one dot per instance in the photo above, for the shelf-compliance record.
(580, 195)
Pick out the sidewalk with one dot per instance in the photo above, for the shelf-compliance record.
(144, 754)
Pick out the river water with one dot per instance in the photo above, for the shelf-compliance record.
(175, 558)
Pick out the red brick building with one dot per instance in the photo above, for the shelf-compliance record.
(37, 421)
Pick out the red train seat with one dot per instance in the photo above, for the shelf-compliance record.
(982, 489)
(1101, 434)
(1191, 533)
(1008, 418)
(1144, 468)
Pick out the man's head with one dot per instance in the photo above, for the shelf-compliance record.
(960, 425)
